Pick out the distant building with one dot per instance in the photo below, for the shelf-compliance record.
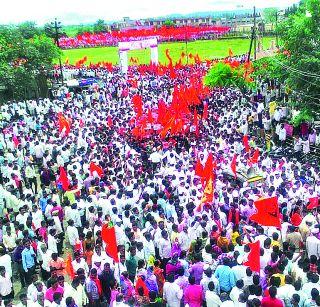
(237, 23)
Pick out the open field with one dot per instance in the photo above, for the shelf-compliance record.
(206, 50)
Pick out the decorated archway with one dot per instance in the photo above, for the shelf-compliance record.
(124, 47)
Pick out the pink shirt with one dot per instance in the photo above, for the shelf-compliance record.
(50, 292)
(193, 295)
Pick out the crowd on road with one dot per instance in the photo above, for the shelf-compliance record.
(173, 248)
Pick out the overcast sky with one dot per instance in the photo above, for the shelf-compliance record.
(86, 11)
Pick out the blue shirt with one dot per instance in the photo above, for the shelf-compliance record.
(28, 258)
(43, 202)
(226, 278)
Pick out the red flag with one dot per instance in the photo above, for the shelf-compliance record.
(63, 179)
(267, 212)
(313, 203)
(253, 261)
(245, 142)
(137, 105)
(95, 168)
(234, 165)
(296, 219)
(230, 52)
(199, 168)
(254, 159)
(108, 235)
(69, 267)
(205, 110)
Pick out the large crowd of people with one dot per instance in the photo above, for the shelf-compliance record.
(174, 249)
(163, 34)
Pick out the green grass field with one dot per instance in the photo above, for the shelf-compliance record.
(206, 50)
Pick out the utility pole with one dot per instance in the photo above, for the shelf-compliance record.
(254, 31)
(253, 41)
(56, 26)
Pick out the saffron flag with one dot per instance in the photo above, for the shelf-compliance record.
(245, 142)
(234, 165)
(253, 261)
(108, 235)
(267, 212)
(208, 192)
(313, 203)
(198, 168)
(63, 179)
(69, 267)
(230, 52)
(63, 125)
(208, 169)
(95, 168)
(254, 159)
(166, 128)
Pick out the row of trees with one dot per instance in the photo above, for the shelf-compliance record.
(26, 58)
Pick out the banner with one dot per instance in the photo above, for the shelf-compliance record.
(140, 44)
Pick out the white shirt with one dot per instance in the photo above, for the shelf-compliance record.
(149, 249)
(285, 292)
(5, 285)
(80, 265)
(52, 244)
(73, 235)
(155, 157)
(184, 241)
(6, 261)
(172, 294)
(164, 248)
(212, 299)
(313, 246)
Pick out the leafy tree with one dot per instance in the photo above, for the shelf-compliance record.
(300, 57)
(99, 26)
(25, 63)
(168, 23)
(291, 10)
(270, 14)
(84, 29)
(225, 74)
(28, 29)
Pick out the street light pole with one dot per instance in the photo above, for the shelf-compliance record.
(186, 46)
(254, 31)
